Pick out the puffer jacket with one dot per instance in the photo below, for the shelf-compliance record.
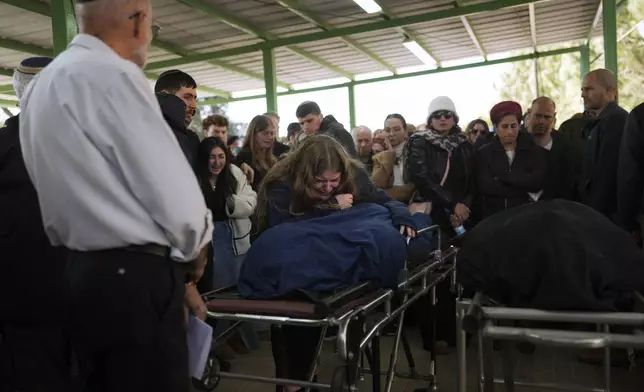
(425, 168)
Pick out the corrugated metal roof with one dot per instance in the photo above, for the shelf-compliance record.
(198, 31)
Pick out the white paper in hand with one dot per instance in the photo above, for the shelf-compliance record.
(199, 341)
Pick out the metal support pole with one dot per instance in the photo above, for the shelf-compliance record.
(584, 62)
(610, 34)
(63, 24)
(270, 80)
(351, 88)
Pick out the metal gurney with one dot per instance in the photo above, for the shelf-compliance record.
(488, 321)
(347, 309)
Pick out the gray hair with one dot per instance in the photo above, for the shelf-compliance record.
(358, 129)
(97, 15)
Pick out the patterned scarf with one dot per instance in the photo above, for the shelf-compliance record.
(447, 141)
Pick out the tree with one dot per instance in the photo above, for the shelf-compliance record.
(559, 76)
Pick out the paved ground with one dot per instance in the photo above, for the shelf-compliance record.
(545, 365)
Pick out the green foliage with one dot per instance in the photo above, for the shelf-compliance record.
(560, 78)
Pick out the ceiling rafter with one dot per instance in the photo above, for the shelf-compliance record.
(470, 31)
(297, 8)
(388, 14)
(345, 31)
(44, 9)
(244, 26)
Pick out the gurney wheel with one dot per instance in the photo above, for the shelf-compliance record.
(210, 379)
(340, 380)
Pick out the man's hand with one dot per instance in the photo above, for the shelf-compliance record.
(248, 172)
(408, 231)
(194, 302)
(345, 200)
(462, 212)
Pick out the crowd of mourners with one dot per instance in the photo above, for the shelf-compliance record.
(115, 216)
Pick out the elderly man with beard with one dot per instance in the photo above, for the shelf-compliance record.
(559, 183)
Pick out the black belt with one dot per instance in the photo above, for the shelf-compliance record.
(151, 249)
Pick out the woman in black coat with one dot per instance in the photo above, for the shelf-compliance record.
(511, 170)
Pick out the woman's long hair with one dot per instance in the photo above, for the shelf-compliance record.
(300, 168)
(473, 123)
(262, 159)
(226, 184)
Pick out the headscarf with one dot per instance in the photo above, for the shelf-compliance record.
(503, 109)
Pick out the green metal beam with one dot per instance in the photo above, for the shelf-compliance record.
(596, 19)
(24, 47)
(34, 6)
(178, 50)
(270, 81)
(529, 56)
(584, 61)
(7, 88)
(533, 25)
(344, 31)
(351, 90)
(8, 103)
(298, 9)
(609, 21)
(63, 24)
(240, 24)
(388, 14)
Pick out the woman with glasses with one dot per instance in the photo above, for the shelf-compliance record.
(511, 170)
(478, 129)
(439, 163)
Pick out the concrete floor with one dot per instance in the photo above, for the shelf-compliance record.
(545, 365)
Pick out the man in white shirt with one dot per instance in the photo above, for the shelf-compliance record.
(115, 189)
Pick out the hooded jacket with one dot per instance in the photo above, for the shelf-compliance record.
(174, 113)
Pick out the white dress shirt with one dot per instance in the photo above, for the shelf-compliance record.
(108, 170)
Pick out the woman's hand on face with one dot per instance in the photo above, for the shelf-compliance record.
(344, 200)
(462, 212)
(408, 231)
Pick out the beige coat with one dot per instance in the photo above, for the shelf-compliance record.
(383, 176)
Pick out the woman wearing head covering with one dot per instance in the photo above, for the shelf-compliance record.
(439, 165)
(511, 169)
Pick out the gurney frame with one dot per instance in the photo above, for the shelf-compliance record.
(488, 321)
(354, 336)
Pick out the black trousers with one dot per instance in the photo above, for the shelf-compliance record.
(126, 321)
(445, 313)
(294, 350)
(34, 358)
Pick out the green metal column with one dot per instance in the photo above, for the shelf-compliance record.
(584, 61)
(63, 24)
(610, 34)
(270, 80)
(351, 88)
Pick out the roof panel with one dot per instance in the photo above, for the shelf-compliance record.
(558, 21)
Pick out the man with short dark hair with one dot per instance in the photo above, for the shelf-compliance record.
(216, 125)
(559, 182)
(182, 85)
(598, 183)
(313, 122)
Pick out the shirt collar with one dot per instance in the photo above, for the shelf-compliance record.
(92, 43)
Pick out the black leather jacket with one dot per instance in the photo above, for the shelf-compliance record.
(426, 164)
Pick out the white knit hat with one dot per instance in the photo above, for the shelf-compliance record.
(441, 103)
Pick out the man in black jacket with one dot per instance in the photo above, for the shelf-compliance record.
(34, 350)
(559, 181)
(630, 176)
(598, 182)
(313, 122)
